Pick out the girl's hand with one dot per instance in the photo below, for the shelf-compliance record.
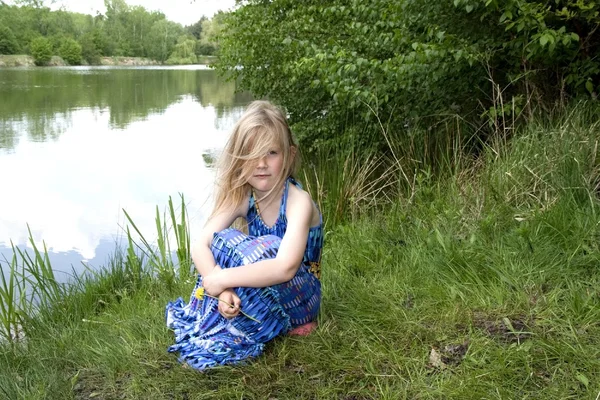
(214, 282)
(230, 297)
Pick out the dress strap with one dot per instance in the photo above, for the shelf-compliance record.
(295, 182)
(283, 206)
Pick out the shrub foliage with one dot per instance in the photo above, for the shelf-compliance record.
(41, 50)
(70, 51)
(8, 41)
(338, 64)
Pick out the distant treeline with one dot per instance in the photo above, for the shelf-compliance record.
(123, 30)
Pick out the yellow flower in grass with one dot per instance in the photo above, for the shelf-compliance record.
(199, 294)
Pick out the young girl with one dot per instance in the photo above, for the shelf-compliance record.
(267, 282)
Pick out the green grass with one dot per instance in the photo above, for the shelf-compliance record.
(493, 269)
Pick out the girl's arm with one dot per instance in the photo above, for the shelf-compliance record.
(201, 253)
(284, 266)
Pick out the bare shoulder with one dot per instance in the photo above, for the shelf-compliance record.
(299, 201)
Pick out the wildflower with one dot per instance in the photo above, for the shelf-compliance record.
(199, 294)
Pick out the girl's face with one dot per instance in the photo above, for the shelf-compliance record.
(267, 171)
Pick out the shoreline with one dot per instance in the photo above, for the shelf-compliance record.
(27, 61)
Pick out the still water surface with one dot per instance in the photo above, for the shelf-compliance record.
(80, 144)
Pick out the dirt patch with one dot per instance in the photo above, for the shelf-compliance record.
(90, 385)
(24, 60)
(507, 330)
(16, 60)
(295, 367)
(57, 61)
(127, 61)
(444, 356)
(409, 302)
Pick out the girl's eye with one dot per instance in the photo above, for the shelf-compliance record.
(272, 152)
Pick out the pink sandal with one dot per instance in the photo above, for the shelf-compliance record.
(303, 330)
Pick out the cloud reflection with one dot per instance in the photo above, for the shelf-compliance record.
(71, 190)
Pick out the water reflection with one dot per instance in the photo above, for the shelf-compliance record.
(37, 96)
(9, 136)
(79, 145)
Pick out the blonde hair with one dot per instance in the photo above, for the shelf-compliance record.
(261, 127)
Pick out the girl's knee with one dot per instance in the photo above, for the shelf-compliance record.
(231, 247)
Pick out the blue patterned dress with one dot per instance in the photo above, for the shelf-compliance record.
(206, 339)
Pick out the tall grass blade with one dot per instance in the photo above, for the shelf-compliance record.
(182, 238)
(157, 259)
(39, 276)
(9, 302)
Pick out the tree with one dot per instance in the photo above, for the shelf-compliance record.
(114, 27)
(89, 51)
(8, 41)
(184, 51)
(140, 23)
(60, 23)
(114, 8)
(41, 50)
(35, 3)
(101, 41)
(196, 28)
(162, 38)
(210, 34)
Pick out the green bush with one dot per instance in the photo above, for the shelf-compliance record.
(70, 51)
(350, 67)
(41, 50)
(56, 41)
(204, 49)
(8, 41)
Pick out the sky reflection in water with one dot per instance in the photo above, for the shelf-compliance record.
(71, 188)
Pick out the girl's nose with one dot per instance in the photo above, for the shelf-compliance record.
(262, 162)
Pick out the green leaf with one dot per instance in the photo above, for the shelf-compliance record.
(543, 40)
(589, 86)
(469, 8)
(583, 379)
(287, 41)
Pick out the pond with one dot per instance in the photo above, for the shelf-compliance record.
(80, 144)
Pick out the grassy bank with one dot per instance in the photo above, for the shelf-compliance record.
(483, 284)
